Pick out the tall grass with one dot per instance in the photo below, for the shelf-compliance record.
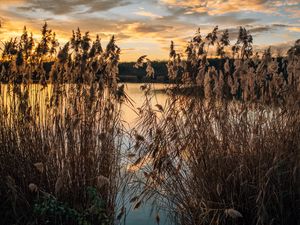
(60, 140)
(223, 150)
(210, 160)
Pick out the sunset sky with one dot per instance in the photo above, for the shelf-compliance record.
(148, 26)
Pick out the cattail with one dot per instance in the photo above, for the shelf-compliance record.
(186, 79)
(172, 69)
(160, 108)
(63, 54)
(273, 67)
(139, 137)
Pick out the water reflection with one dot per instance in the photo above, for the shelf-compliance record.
(142, 215)
(136, 97)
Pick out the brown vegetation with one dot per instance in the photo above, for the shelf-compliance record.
(223, 150)
(214, 161)
(60, 143)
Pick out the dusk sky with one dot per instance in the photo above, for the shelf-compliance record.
(147, 26)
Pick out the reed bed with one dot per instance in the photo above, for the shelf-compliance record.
(225, 148)
(60, 138)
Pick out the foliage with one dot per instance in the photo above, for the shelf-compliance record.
(48, 210)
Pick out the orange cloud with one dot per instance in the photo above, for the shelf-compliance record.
(217, 7)
(296, 29)
(148, 14)
(150, 35)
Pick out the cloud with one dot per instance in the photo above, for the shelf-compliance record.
(219, 7)
(150, 25)
(147, 14)
(254, 30)
(280, 48)
(295, 29)
(293, 11)
(12, 2)
(231, 20)
(66, 6)
(147, 28)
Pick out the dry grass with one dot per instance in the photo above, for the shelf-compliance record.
(214, 161)
(226, 151)
(60, 143)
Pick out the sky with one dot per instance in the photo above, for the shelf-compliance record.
(146, 27)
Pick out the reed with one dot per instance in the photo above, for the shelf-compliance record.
(225, 147)
(61, 137)
(223, 150)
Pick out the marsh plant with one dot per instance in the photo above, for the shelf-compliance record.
(225, 148)
(61, 132)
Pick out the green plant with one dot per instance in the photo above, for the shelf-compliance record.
(48, 210)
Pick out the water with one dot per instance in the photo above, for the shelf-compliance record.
(142, 215)
(136, 95)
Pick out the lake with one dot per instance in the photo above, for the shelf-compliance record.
(142, 216)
